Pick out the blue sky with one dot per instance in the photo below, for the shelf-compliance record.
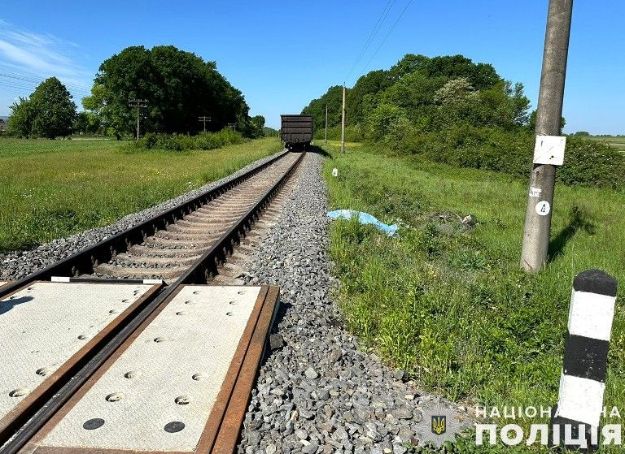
(281, 54)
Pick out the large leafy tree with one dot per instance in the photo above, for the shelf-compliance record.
(426, 95)
(48, 112)
(317, 108)
(364, 91)
(179, 86)
(55, 110)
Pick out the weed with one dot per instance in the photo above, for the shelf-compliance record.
(53, 188)
(450, 304)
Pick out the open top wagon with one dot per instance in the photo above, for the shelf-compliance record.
(297, 131)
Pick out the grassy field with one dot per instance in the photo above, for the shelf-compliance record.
(51, 189)
(450, 304)
(616, 142)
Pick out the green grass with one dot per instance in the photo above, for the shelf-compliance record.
(51, 189)
(616, 142)
(449, 304)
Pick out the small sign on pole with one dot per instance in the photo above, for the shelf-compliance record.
(549, 150)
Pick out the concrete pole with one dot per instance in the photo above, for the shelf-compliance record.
(138, 120)
(537, 229)
(326, 134)
(343, 123)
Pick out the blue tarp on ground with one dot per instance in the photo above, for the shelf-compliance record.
(364, 218)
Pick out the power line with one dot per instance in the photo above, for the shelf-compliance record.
(16, 91)
(14, 85)
(374, 31)
(38, 81)
(32, 77)
(17, 78)
(388, 34)
(31, 88)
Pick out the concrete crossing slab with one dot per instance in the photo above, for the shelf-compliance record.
(47, 327)
(177, 384)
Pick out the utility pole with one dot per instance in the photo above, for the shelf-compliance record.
(537, 229)
(138, 104)
(204, 119)
(343, 123)
(326, 135)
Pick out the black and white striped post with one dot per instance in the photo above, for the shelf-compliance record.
(582, 383)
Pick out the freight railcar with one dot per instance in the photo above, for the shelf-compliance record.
(297, 131)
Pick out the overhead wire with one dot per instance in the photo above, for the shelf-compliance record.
(31, 86)
(36, 81)
(374, 31)
(401, 15)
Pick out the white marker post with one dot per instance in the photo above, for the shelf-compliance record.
(582, 384)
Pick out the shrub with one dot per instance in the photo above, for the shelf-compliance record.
(586, 163)
(353, 133)
(149, 140)
(590, 163)
(219, 139)
(181, 142)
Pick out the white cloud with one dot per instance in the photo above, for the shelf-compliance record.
(27, 58)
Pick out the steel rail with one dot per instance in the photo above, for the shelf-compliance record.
(200, 272)
(85, 260)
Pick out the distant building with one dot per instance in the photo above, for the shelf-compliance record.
(3, 124)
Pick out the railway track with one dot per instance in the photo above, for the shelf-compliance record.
(101, 302)
(169, 252)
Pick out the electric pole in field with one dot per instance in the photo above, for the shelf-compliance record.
(326, 134)
(204, 119)
(139, 104)
(343, 123)
(549, 148)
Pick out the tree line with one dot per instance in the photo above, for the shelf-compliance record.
(178, 87)
(426, 94)
(452, 110)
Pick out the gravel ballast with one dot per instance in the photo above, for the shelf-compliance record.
(18, 264)
(316, 391)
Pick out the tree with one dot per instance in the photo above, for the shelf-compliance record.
(421, 95)
(333, 98)
(179, 86)
(371, 84)
(258, 125)
(480, 75)
(383, 119)
(410, 64)
(270, 132)
(531, 123)
(87, 123)
(55, 110)
(520, 102)
(21, 119)
(48, 112)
